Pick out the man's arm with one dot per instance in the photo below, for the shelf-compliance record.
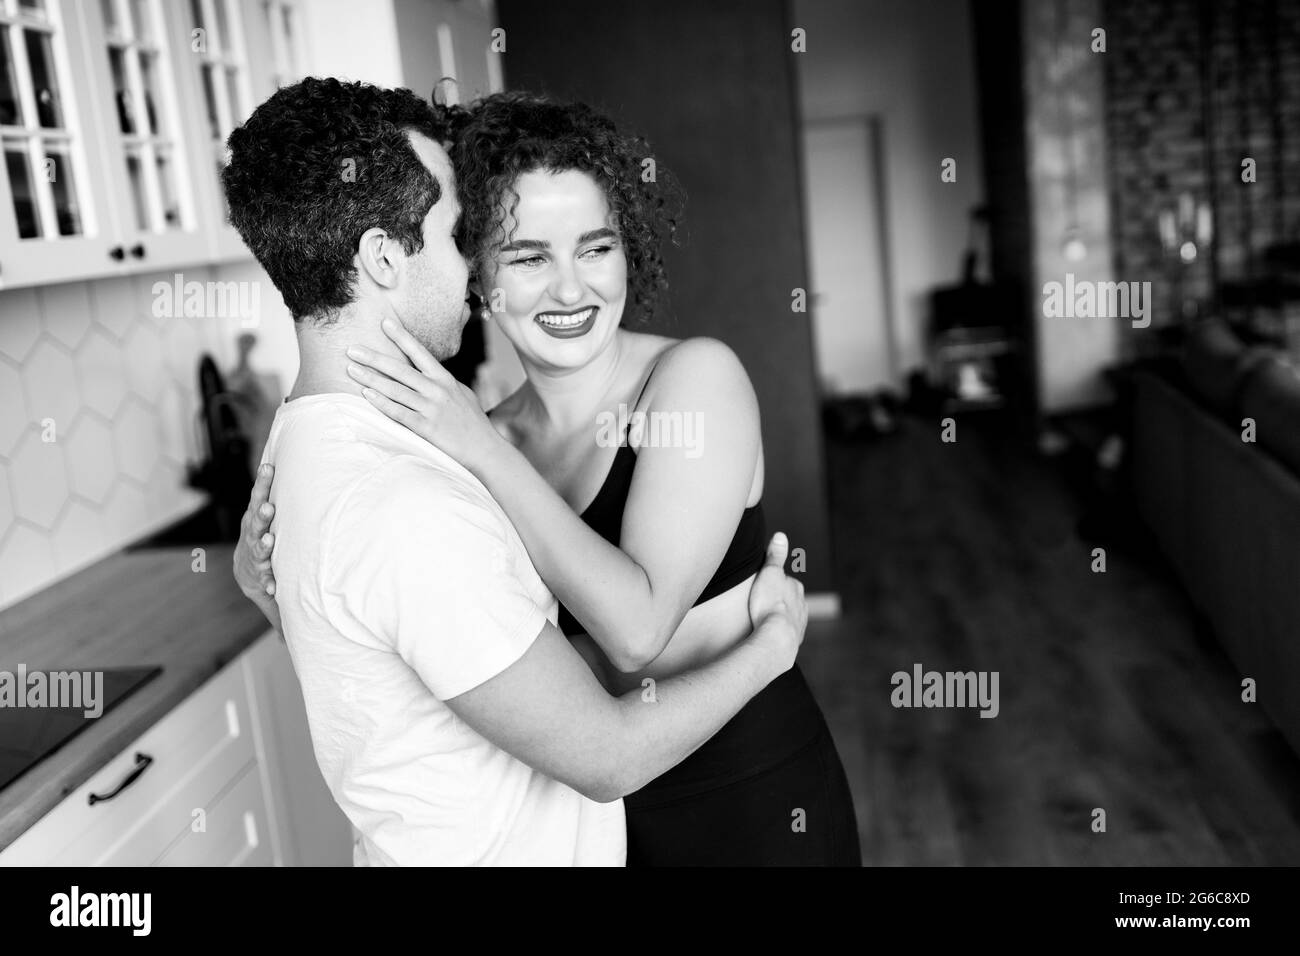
(548, 710)
(429, 568)
(591, 653)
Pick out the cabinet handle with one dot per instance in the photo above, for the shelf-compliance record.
(138, 251)
(142, 762)
(117, 253)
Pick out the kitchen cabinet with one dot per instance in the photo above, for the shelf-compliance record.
(311, 828)
(250, 49)
(53, 193)
(113, 120)
(226, 778)
(131, 49)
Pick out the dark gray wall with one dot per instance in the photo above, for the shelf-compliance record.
(710, 84)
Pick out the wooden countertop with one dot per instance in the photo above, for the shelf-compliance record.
(132, 609)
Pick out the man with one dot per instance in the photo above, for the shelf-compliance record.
(452, 721)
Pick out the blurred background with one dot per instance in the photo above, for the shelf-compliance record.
(1102, 503)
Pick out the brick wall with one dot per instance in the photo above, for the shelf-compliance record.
(1192, 89)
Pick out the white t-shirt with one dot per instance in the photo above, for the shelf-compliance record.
(401, 584)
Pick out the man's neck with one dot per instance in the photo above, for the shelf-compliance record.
(322, 350)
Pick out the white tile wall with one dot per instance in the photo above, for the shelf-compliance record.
(120, 387)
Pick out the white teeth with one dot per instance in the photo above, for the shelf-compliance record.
(566, 321)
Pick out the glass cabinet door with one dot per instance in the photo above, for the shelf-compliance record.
(259, 47)
(225, 91)
(52, 223)
(144, 141)
(282, 21)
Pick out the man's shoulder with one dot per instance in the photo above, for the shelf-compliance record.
(366, 477)
(402, 480)
(405, 497)
(336, 439)
(426, 532)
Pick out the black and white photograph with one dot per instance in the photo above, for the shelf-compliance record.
(730, 433)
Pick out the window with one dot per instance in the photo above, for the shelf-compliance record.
(38, 133)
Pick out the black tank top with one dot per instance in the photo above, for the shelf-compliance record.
(604, 515)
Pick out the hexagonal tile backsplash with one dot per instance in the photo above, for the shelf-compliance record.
(98, 405)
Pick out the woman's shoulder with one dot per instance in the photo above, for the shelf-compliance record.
(697, 362)
(697, 353)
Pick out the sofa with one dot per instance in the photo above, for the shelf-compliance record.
(1226, 512)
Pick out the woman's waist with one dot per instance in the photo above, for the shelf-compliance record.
(780, 721)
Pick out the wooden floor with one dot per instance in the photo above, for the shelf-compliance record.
(965, 556)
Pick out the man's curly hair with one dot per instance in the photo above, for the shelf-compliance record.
(317, 165)
(502, 136)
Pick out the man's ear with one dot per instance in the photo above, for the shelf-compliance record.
(380, 257)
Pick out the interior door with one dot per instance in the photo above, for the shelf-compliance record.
(853, 337)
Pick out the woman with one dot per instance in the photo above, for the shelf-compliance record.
(632, 467)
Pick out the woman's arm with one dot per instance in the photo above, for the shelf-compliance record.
(252, 560)
(687, 494)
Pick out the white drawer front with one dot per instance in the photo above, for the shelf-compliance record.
(236, 830)
(197, 750)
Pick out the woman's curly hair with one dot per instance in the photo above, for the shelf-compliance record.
(502, 136)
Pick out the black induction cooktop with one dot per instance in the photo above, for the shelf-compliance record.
(30, 733)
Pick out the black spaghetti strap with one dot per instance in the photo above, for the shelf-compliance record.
(641, 395)
(646, 384)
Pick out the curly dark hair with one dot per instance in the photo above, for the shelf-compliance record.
(301, 207)
(502, 136)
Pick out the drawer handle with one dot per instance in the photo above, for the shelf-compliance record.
(142, 762)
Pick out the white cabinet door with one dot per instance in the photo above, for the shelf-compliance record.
(235, 831)
(132, 51)
(114, 116)
(55, 215)
(228, 777)
(280, 24)
(226, 76)
(249, 49)
(310, 828)
(148, 797)
(266, 53)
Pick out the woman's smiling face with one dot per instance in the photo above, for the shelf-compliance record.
(559, 284)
